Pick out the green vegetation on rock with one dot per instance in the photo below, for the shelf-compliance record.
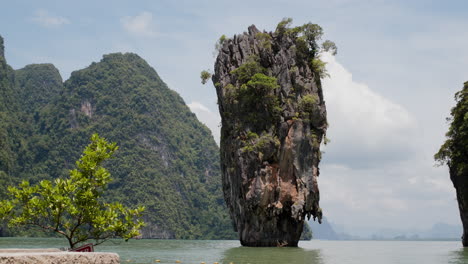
(307, 104)
(220, 42)
(254, 92)
(205, 76)
(454, 153)
(330, 46)
(273, 121)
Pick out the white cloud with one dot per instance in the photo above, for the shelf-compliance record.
(375, 171)
(140, 25)
(42, 17)
(382, 197)
(365, 127)
(197, 106)
(206, 116)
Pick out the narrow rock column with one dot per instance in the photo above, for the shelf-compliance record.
(273, 122)
(454, 153)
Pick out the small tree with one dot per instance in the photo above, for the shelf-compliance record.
(454, 151)
(73, 207)
(330, 46)
(205, 76)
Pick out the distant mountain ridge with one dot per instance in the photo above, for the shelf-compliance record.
(439, 231)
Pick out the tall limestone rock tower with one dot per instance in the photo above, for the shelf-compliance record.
(273, 122)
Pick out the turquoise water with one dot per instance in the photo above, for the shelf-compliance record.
(313, 252)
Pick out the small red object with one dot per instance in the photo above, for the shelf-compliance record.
(84, 248)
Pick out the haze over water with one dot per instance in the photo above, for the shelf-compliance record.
(310, 252)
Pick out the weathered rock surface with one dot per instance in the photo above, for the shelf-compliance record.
(270, 136)
(459, 169)
(54, 256)
(454, 153)
(460, 182)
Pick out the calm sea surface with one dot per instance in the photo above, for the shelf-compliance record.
(316, 251)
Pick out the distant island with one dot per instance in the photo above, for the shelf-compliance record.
(439, 231)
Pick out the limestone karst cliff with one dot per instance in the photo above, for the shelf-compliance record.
(168, 161)
(273, 122)
(454, 153)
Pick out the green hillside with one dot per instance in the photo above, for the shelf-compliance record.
(9, 138)
(168, 161)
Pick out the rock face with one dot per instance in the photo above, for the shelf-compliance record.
(56, 257)
(459, 169)
(273, 121)
(460, 182)
(454, 153)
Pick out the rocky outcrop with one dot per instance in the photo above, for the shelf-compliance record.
(460, 182)
(454, 153)
(459, 168)
(55, 256)
(273, 122)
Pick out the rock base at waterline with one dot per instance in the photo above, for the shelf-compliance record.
(56, 256)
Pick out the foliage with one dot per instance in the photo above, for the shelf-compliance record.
(454, 151)
(308, 103)
(265, 40)
(168, 161)
(330, 46)
(220, 42)
(254, 93)
(253, 106)
(315, 140)
(10, 124)
(254, 143)
(309, 33)
(283, 25)
(318, 66)
(247, 70)
(258, 103)
(39, 84)
(205, 76)
(72, 207)
(259, 84)
(306, 39)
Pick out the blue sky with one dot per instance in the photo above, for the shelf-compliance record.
(391, 87)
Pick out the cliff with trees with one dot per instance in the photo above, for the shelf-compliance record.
(273, 123)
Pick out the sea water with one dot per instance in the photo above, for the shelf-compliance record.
(313, 252)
